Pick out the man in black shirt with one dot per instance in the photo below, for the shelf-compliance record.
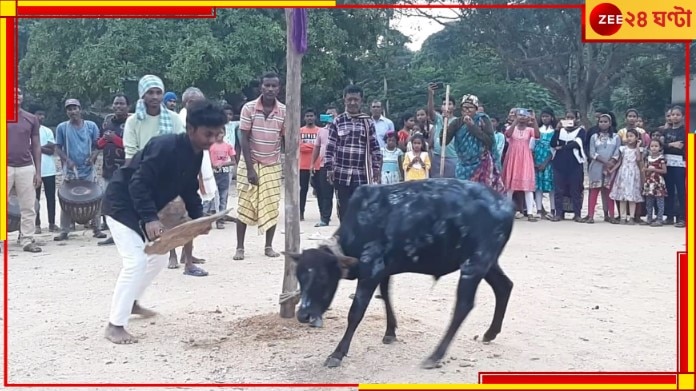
(111, 143)
(167, 167)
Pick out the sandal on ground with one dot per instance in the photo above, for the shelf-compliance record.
(589, 220)
(106, 242)
(99, 235)
(196, 272)
(584, 219)
(239, 255)
(268, 251)
(32, 248)
(532, 218)
(555, 219)
(321, 224)
(63, 236)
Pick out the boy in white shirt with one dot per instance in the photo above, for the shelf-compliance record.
(48, 174)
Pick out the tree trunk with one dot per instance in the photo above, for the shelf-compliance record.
(291, 167)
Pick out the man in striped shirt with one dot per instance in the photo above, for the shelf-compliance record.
(262, 127)
(353, 156)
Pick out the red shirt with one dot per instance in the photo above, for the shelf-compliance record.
(308, 137)
(403, 136)
(221, 153)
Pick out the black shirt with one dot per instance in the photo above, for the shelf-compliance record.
(673, 135)
(166, 168)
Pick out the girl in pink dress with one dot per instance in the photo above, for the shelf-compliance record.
(518, 167)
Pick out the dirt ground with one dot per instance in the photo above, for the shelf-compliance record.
(586, 298)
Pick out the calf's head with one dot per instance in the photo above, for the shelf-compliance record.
(318, 270)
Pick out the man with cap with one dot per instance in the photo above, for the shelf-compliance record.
(24, 170)
(76, 145)
(170, 101)
(152, 119)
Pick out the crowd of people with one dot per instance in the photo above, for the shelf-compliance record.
(525, 155)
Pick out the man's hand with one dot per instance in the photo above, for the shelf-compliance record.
(37, 180)
(252, 177)
(109, 136)
(70, 164)
(154, 229)
(330, 177)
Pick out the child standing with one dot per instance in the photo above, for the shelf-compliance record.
(655, 189)
(604, 151)
(417, 162)
(391, 160)
(543, 153)
(417, 130)
(518, 167)
(627, 185)
(222, 157)
(405, 133)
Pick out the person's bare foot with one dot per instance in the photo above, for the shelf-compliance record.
(173, 264)
(144, 312)
(119, 335)
(268, 251)
(239, 254)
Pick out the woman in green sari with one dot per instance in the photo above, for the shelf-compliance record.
(474, 141)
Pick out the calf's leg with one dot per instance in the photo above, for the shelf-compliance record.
(502, 287)
(390, 334)
(472, 272)
(363, 295)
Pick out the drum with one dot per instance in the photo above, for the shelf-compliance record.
(80, 199)
(14, 216)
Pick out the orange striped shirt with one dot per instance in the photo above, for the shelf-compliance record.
(266, 132)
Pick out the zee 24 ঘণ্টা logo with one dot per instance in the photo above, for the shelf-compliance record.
(606, 19)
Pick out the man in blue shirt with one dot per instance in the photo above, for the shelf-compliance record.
(383, 125)
(76, 144)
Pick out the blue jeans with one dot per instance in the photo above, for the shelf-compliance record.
(222, 180)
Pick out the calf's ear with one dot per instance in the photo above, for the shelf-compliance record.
(294, 256)
(346, 262)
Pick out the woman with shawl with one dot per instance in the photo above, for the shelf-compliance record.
(474, 141)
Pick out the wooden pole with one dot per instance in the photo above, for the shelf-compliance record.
(443, 143)
(291, 168)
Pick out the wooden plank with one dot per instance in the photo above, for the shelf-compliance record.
(291, 167)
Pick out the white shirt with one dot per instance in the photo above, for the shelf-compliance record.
(48, 163)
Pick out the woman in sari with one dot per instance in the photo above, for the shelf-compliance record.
(474, 141)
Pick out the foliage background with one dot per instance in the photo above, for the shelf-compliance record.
(537, 59)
